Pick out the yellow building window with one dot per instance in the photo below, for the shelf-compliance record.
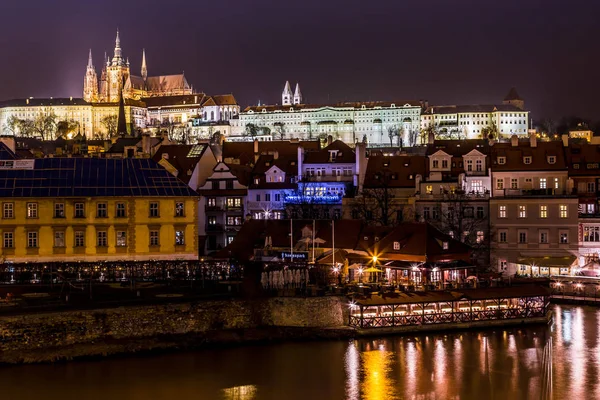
(543, 211)
(563, 211)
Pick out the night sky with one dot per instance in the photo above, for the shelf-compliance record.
(445, 51)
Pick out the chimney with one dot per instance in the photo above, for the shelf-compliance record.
(514, 140)
(533, 139)
(9, 141)
(361, 165)
(329, 140)
(275, 155)
(565, 140)
(256, 150)
(430, 138)
(300, 160)
(146, 143)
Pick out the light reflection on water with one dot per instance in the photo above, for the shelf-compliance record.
(501, 364)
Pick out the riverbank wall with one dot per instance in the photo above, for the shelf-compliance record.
(67, 335)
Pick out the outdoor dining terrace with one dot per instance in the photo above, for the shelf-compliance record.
(446, 307)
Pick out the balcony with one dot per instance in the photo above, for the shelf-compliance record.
(214, 208)
(265, 205)
(234, 208)
(589, 216)
(458, 195)
(531, 193)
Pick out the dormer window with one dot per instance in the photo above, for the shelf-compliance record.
(332, 155)
(386, 163)
(576, 166)
(429, 189)
(445, 245)
(527, 160)
(551, 159)
(256, 181)
(501, 160)
(396, 245)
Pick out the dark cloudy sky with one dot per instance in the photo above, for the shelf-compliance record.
(446, 51)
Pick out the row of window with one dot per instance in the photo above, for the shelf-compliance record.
(563, 211)
(232, 202)
(346, 171)
(527, 160)
(434, 212)
(32, 210)
(79, 239)
(514, 183)
(523, 233)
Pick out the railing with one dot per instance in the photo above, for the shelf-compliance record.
(530, 309)
(214, 228)
(531, 192)
(453, 196)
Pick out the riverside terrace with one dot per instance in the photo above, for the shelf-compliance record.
(475, 307)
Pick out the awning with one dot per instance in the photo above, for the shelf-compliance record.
(557, 262)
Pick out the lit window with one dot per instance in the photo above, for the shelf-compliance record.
(514, 183)
(59, 210)
(211, 202)
(121, 238)
(500, 184)
(522, 211)
(179, 237)
(429, 189)
(59, 239)
(396, 245)
(179, 209)
(556, 185)
(480, 237)
(542, 183)
(501, 211)
(543, 211)
(445, 245)
(32, 210)
(563, 211)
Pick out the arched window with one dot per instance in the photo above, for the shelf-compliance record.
(212, 115)
(204, 115)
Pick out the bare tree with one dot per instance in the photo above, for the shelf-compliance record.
(64, 127)
(13, 125)
(110, 124)
(490, 131)
(280, 130)
(392, 133)
(251, 130)
(413, 135)
(375, 204)
(44, 124)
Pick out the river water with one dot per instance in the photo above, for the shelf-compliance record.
(560, 362)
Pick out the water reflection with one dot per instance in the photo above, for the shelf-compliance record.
(561, 362)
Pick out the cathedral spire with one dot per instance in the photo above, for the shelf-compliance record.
(286, 96)
(90, 64)
(118, 57)
(144, 67)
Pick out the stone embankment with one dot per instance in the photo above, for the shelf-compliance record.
(66, 335)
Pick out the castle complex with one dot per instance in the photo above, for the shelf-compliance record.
(116, 79)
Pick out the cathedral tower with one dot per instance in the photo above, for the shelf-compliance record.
(90, 82)
(286, 96)
(297, 95)
(116, 73)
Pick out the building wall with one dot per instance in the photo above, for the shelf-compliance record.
(137, 224)
(533, 224)
(470, 125)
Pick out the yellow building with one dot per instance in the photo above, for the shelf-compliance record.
(95, 210)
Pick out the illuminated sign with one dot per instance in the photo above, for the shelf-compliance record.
(327, 198)
(17, 164)
(286, 255)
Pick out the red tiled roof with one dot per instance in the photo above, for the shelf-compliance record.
(394, 171)
(539, 156)
(345, 154)
(584, 154)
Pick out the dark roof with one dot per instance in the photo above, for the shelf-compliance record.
(183, 157)
(473, 108)
(345, 154)
(6, 153)
(512, 95)
(458, 148)
(539, 156)
(33, 102)
(91, 177)
(244, 151)
(121, 143)
(347, 104)
(584, 154)
(162, 101)
(394, 171)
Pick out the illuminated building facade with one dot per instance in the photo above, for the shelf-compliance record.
(102, 210)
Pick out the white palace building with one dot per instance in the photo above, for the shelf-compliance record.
(378, 123)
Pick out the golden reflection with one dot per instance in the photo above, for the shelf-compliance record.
(376, 384)
(246, 392)
(352, 363)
